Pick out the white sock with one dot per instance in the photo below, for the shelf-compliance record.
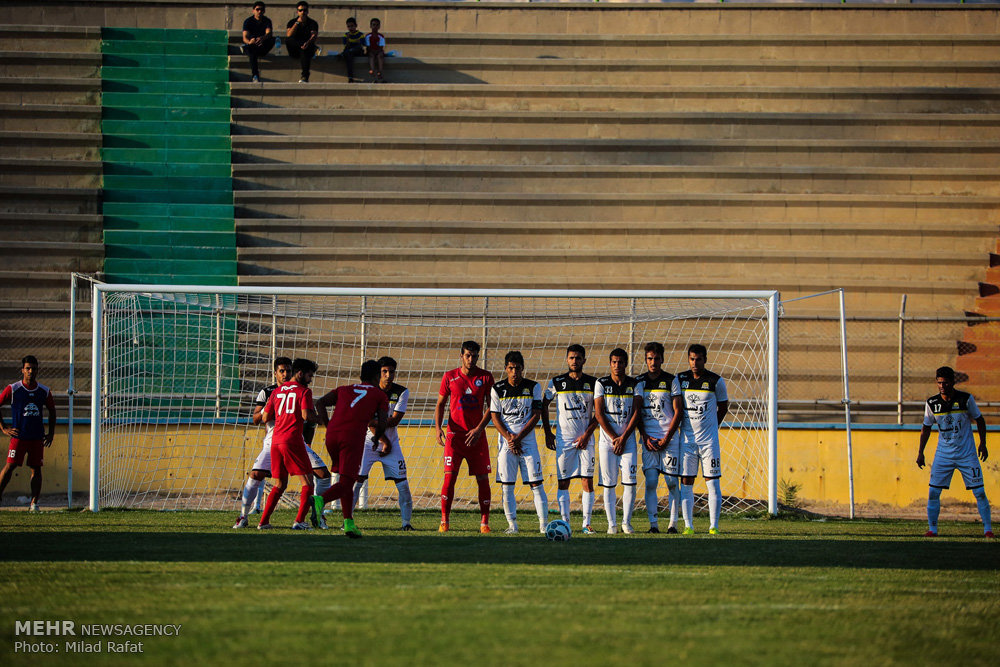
(358, 485)
(336, 478)
(510, 504)
(714, 501)
(687, 504)
(249, 495)
(984, 508)
(587, 500)
(361, 495)
(628, 503)
(933, 508)
(405, 501)
(541, 505)
(673, 499)
(562, 498)
(652, 500)
(259, 500)
(610, 500)
(322, 484)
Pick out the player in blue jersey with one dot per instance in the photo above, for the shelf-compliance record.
(28, 437)
(954, 411)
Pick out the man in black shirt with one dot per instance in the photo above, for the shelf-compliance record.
(258, 38)
(301, 38)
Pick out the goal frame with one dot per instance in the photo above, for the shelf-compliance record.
(771, 296)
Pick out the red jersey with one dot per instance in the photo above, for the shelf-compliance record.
(467, 396)
(286, 404)
(355, 406)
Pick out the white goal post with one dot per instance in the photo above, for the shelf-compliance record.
(175, 370)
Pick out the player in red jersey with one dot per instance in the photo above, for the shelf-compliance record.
(465, 390)
(27, 435)
(354, 407)
(291, 406)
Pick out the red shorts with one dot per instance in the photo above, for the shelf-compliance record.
(287, 459)
(34, 449)
(478, 455)
(346, 450)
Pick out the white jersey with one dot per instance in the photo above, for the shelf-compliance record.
(399, 398)
(954, 420)
(574, 401)
(617, 402)
(516, 405)
(700, 421)
(261, 400)
(658, 403)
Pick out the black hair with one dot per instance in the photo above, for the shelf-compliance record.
(281, 361)
(946, 372)
(514, 357)
(370, 371)
(306, 365)
(654, 347)
(471, 346)
(387, 361)
(576, 347)
(351, 19)
(29, 359)
(259, 4)
(618, 352)
(303, 3)
(698, 348)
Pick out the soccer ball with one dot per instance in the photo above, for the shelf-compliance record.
(558, 531)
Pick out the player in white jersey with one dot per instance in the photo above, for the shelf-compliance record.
(616, 410)
(261, 468)
(515, 406)
(387, 451)
(706, 402)
(954, 412)
(661, 410)
(573, 393)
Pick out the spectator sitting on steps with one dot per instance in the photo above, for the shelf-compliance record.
(301, 38)
(353, 46)
(258, 38)
(375, 41)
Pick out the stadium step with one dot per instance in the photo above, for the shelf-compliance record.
(47, 63)
(50, 118)
(70, 227)
(22, 90)
(50, 173)
(83, 146)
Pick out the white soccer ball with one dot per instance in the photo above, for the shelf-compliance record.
(558, 531)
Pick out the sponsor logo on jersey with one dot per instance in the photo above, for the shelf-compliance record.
(31, 410)
(684, 385)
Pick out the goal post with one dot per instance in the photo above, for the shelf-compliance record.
(175, 370)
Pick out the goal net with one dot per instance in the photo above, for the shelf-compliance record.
(177, 368)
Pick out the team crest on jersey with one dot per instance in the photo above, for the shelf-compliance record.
(663, 385)
(704, 385)
(628, 390)
(586, 385)
(479, 382)
(526, 392)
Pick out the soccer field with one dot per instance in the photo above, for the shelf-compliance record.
(765, 591)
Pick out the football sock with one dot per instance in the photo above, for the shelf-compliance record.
(933, 508)
(984, 508)
(509, 504)
(687, 504)
(541, 504)
(357, 492)
(484, 499)
(587, 498)
(250, 495)
(714, 501)
(610, 500)
(361, 494)
(447, 493)
(562, 499)
(673, 499)
(405, 501)
(652, 500)
(334, 477)
(628, 503)
(322, 484)
(260, 497)
(347, 496)
(272, 502)
(305, 498)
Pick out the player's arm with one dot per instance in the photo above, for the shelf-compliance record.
(550, 437)
(722, 411)
(439, 411)
(581, 442)
(381, 419)
(981, 427)
(50, 403)
(536, 414)
(675, 422)
(329, 398)
(925, 434)
(618, 444)
(473, 435)
(602, 419)
(6, 397)
(508, 436)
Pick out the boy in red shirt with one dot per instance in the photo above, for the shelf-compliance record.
(375, 41)
(291, 406)
(465, 389)
(28, 437)
(354, 407)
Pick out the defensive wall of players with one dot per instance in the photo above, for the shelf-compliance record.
(814, 459)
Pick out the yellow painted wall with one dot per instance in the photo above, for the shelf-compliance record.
(813, 459)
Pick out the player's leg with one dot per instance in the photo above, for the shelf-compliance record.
(609, 480)
(509, 499)
(405, 503)
(588, 465)
(452, 464)
(941, 473)
(628, 466)
(652, 476)
(530, 464)
(36, 452)
(567, 467)
(711, 470)
(689, 462)
(5, 475)
(933, 510)
(670, 465)
(480, 466)
(305, 497)
(972, 474)
(506, 478)
(562, 499)
(255, 480)
(983, 504)
(279, 475)
(485, 497)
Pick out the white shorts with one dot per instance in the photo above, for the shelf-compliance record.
(945, 466)
(528, 462)
(572, 462)
(665, 460)
(393, 463)
(263, 460)
(612, 464)
(708, 454)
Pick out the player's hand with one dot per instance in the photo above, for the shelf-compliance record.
(581, 442)
(47, 442)
(472, 436)
(983, 452)
(920, 460)
(618, 445)
(550, 440)
(651, 443)
(440, 436)
(662, 444)
(384, 449)
(11, 431)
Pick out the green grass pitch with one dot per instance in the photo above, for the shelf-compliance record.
(784, 591)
